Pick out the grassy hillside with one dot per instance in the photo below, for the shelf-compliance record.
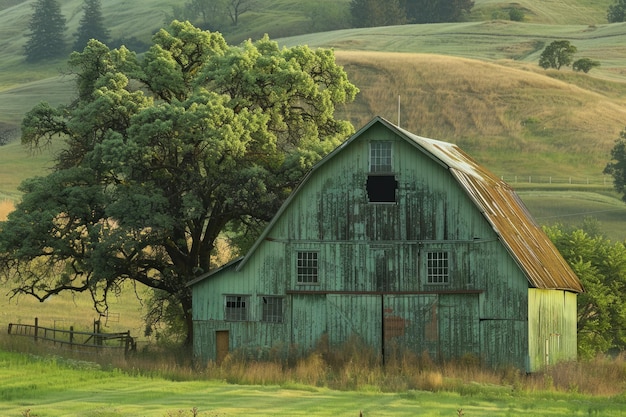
(554, 12)
(475, 83)
(516, 121)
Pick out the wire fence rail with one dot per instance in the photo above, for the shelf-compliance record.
(75, 339)
(601, 181)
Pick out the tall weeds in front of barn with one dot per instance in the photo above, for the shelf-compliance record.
(355, 367)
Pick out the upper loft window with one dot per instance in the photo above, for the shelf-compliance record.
(381, 188)
(381, 157)
(381, 183)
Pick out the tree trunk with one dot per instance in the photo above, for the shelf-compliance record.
(186, 303)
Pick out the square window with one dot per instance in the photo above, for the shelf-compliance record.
(380, 157)
(381, 188)
(438, 268)
(307, 267)
(272, 309)
(236, 308)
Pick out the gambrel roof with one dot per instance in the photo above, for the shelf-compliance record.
(529, 246)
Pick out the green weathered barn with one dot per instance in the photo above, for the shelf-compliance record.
(404, 242)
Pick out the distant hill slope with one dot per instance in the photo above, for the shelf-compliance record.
(514, 120)
(554, 12)
(475, 83)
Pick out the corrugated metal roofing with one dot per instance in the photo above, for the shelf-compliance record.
(530, 247)
(501, 206)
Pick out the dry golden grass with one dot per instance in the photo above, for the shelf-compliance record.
(492, 109)
(62, 311)
(6, 207)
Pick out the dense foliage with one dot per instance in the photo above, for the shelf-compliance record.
(371, 13)
(162, 155)
(616, 12)
(437, 11)
(47, 27)
(368, 13)
(585, 64)
(601, 267)
(557, 54)
(91, 25)
(617, 167)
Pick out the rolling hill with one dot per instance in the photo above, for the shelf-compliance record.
(475, 83)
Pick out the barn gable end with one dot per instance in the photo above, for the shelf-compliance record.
(401, 241)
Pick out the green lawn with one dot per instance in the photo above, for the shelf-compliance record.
(49, 387)
(572, 207)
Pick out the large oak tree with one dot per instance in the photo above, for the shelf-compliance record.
(164, 153)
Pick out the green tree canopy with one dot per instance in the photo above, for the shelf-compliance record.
(162, 155)
(585, 64)
(601, 267)
(367, 13)
(617, 167)
(91, 25)
(46, 38)
(616, 12)
(437, 11)
(557, 54)
(371, 13)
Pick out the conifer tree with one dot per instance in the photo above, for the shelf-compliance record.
(47, 27)
(91, 25)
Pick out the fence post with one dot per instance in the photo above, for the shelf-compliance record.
(71, 337)
(36, 328)
(10, 326)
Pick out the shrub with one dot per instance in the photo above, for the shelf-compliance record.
(585, 65)
(516, 15)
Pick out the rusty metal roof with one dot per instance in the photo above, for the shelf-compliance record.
(501, 206)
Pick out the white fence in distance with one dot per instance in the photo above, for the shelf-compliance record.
(603, 180)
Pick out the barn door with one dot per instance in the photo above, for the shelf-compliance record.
(308, 320)
(410, 323)
(355, 317)
(221, 345)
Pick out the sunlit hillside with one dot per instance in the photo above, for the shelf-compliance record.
(475, 83)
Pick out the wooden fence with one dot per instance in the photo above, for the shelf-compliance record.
(75, 339)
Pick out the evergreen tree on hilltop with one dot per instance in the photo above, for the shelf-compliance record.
(47, 27)
(371, 13)
(90, 26)
(437, 11)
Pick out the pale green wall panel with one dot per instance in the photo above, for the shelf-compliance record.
(551, 327)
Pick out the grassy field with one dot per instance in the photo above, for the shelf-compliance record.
(50, 386)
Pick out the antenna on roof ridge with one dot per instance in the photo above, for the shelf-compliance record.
(398, 110)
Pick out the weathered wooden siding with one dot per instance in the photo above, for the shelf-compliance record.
(354, 315)
(309, 321)
(551, 327)
(372, 268)
(333, 206)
